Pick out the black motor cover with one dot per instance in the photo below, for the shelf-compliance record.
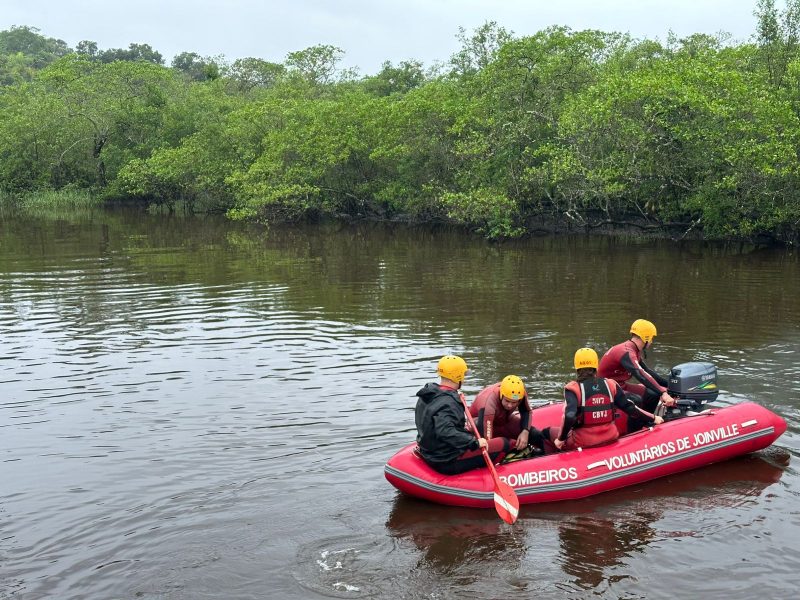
(693, 383)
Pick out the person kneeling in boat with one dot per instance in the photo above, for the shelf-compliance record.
(443, 440)
(503, 410)
(589, 408)
(624, 361)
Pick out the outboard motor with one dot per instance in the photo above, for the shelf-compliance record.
(693, 384)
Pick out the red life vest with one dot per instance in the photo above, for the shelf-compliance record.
(611, 365)
(595, 401)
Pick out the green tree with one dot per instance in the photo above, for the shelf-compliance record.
(31, 133)
(309, 155)
(250, 73)
(690, 138)
(777, 35)
(134, 53)
(209, 137)
(196, 67)
(317, 64)
(398, 79)
(511, 111)
(87, 48)
(23, 51)
(112, 111)
(41, 50)
(15, 68)
(479, 49)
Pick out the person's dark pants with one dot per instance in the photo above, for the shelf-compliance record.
(536, 438)
(473, 459)
(643, 398)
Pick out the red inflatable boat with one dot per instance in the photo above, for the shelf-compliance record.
(687, 442)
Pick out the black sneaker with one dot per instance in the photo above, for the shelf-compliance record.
(535, 451)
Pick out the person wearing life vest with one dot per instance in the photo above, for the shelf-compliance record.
(624, 361)
(443, 439)
(503, 410)
(589, 404)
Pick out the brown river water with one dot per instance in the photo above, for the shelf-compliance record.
(192, 408)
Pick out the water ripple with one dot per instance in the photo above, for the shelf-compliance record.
(200, 417)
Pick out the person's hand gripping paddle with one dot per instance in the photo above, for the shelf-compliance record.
(505, 499)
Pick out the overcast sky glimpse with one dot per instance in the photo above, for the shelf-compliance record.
(369, 32)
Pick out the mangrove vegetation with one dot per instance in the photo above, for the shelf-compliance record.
(582, 130)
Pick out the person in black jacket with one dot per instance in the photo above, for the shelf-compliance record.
(442, 437)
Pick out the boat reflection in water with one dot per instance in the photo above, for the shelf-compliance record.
(582, 538)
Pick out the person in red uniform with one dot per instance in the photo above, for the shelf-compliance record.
(589, 404)
(503, 410)
(443, 440)
(624, 361)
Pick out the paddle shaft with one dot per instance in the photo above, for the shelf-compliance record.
(506, 502)
(484, 451)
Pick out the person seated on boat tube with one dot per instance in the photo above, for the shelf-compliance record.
(502, 410)
(624, 361)
(442, 437)
(589, 404)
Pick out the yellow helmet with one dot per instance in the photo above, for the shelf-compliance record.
(512, 388)
(452, 367)
(585, 358)
(644, 329)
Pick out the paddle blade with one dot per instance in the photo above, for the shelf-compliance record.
(506, 502)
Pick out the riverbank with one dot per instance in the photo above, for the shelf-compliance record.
(59, 204)
(559, 131)
(544, 222)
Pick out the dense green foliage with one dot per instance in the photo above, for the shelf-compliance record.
(587, 129)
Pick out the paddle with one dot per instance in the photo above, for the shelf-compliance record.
(506, 502)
